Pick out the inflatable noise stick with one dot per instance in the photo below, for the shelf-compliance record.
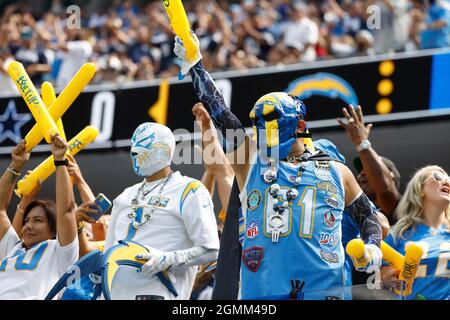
(408, 272)
(407, 265)
(355, 249)
(46, 168)
(63, 102)
(392, 256)
(45, 124)
(180, 24)
(49, 97)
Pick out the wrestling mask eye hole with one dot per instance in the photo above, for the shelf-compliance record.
(270, 116)
(134, 154)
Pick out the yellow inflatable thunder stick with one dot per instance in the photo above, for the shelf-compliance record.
(180, 24)
(49, 97)
(45, 124)
(407, 265)
(413, 254)
(63, 101)
(46, 168)
(392, 256)
(355, 249)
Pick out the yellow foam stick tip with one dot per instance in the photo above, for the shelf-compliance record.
(355, 248)
(180, 24)
(414, 252)
(64, 101)
(46, 168)
(46, 124)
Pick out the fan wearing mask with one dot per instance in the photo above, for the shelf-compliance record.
(171, 215)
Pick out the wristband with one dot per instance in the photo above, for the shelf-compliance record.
(13, 172)
(80, 227)
(64, 162)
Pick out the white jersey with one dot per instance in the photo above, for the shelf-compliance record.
(183, 219)
(31, 274)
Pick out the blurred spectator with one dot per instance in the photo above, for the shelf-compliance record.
(436, 25)
(6, 84)
(301, 35)
(395, 25)
(75, 52)
(31, 55)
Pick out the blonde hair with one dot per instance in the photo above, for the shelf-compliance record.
(410, 209)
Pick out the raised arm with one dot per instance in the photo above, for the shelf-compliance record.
(357, 204)
(85, 191)
(216, 163)
(82, 217)
(66, 226)
(359, 207)
(378, 175)
(18, 160)
(235, 141)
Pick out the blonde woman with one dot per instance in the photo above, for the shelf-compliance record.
(424, 217)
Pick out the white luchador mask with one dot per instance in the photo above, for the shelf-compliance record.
(152, 148)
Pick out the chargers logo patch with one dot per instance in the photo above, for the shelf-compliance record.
(252, 258)
(333, 201)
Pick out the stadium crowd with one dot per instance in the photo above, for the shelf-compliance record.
(132, 40)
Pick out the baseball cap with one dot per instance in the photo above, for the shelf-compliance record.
(388, 163)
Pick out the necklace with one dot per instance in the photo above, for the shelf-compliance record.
(277, 220)
(149, 208)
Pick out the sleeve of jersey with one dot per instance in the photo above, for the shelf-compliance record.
(197, 212)
(214, 102)
(366, 219)
(67, 255)
(9, 240)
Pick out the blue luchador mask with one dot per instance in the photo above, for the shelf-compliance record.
(275, 118)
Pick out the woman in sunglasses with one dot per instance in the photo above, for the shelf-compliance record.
(424, 217)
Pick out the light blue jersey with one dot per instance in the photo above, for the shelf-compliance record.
(433, 275)
(309, 246)
(350, 230)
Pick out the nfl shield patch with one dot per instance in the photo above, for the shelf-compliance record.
(253, 257)
(252, 229)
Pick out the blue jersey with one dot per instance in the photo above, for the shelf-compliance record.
(350, 230)
(309, 246)
(433, 275)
